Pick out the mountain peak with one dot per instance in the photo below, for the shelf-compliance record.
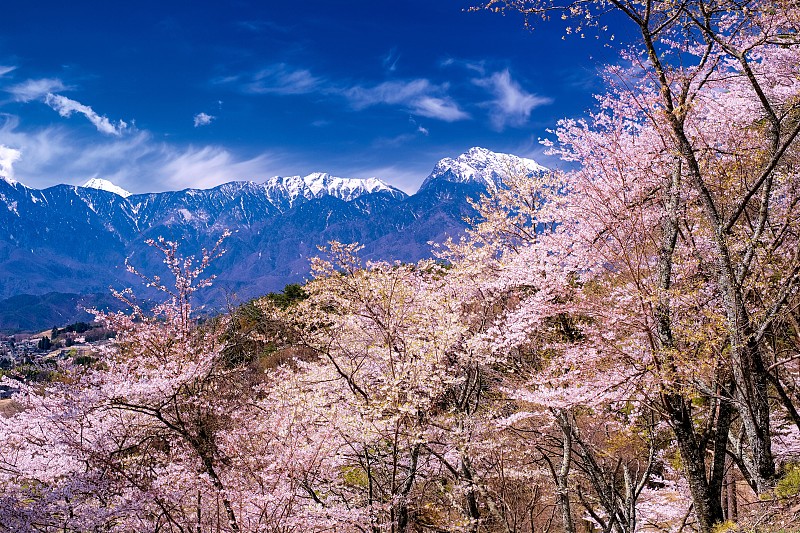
(479, 165)
(105, 185)
(478, 152)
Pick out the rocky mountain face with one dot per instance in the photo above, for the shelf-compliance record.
(68, 240)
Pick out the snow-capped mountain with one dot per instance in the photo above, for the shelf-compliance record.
(287, 191)
(75, 240)
(482, 166)
(105, 185)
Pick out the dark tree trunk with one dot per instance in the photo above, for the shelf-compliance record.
(562, 476)
(705, 495)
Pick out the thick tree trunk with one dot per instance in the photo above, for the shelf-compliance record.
(706, 496)
(746, 359)
(471, 497)
(755, 412)
(562, 477)
(749, 373)
(400, 509)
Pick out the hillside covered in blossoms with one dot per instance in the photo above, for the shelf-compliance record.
(610, 347)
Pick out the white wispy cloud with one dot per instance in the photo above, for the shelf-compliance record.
(475, 66)
(419, 96)
(440, 108)
(420, 128)
(390, 60)
(41, 147)
(5, 69)
(8, 156)
(282, 79)
(203, 119)
(46, 89)
(389, 92)
(143, 162)
(511, 105)
(138, 161)
(66, 107)
(30, 90)
(208, 166)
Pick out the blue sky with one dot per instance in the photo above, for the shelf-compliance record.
(169, 94)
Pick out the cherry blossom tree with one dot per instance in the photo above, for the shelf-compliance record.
(165, 433)
(682, 215)
(391, 337)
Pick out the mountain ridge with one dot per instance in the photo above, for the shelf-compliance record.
(71, 239)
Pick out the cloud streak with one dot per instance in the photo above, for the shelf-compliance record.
(66, 107)
(30, 90)
(439, 108)
(137, 161)
(283, 80)
(45, 89)
(418, 96)
(512, 105)
(390, 60)
(208, 166)
(141, 162)
(475, 66)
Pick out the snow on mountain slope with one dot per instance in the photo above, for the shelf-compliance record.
(73, 239)
(286, 191)
(105, 185)
(479, 165)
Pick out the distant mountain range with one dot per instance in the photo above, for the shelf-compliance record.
(64, 246)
